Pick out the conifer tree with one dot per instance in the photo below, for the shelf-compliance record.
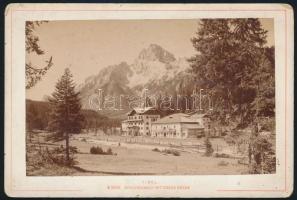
(33, 73)
(65, 116)
(228, 64)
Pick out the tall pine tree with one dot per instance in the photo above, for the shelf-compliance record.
(228, 65)
(65, 117)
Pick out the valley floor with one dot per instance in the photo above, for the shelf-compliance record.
(134, 158)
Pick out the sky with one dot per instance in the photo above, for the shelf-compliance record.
(85, 47)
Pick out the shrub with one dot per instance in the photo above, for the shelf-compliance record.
(176, 153)
(268, 124)
(99, 150)
(96, 150)
(156, 149)
(221, 155)
(223, 163)
(73, 149)
(171, 151)
(109, 151)
(208, 147)
(168, 151)
(264, 161)
(56, 155)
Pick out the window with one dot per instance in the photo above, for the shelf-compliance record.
(146, 128)
(147, 123)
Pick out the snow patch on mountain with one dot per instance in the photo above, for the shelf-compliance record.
(154, 68)
(155, 63)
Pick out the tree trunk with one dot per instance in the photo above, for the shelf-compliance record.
(67, 149)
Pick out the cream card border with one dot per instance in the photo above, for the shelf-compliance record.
(16, 182)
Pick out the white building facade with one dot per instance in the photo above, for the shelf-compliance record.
(177, 125)
(203, 120)
(147, 122)
(139, 121)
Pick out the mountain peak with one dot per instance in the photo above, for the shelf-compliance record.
(156, 52)
(155, 46)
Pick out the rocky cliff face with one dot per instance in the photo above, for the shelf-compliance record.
(155, 69)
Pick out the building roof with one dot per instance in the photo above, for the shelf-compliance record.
(199, 114)
(175, 118)
(141, 110)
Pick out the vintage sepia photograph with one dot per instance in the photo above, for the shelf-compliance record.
(154, 100)
(150, 97)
